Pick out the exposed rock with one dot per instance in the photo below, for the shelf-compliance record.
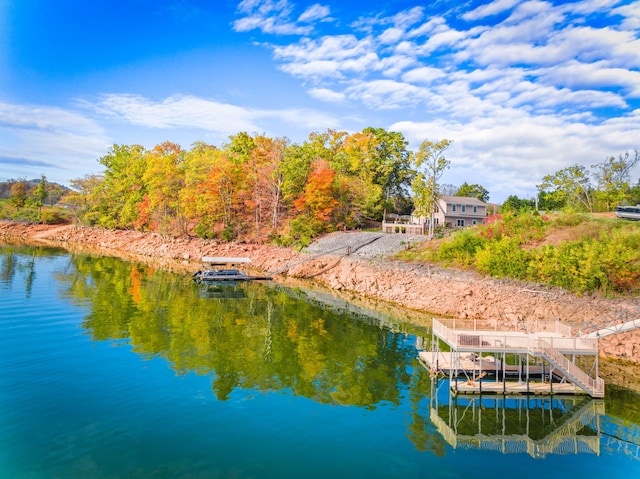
(366, 271)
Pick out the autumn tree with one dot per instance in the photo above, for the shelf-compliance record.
(80, 199)
(164, 179)
(264, 175)
(19, 193)
(317, 203)
(267, 165)
(208, 195)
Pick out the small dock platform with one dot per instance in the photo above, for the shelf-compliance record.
(216, 271)
(470, 363)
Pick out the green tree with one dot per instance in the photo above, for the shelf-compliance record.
(115, 202)
(571, 186)
(430, 164)
(473, 191)
(392, 164)
(634, 194)
(80, 198)
(612, 178)
(40, 195)
(517, 205)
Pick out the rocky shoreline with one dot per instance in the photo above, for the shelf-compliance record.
(340, 263)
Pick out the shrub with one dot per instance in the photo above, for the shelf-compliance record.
(461, 248)
(503, 258)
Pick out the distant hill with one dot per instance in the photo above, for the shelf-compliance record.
(56, 190)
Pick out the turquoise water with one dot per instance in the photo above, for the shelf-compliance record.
(111, 369)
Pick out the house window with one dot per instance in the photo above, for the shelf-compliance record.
(436, 221)
(475, 209)
(474, 222)
(460, 222)
(453, 208)
(464, 208)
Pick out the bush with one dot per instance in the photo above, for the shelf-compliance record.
(503, 258)
(49, 215)
(461, 249)
(303, 230)
(596, 254)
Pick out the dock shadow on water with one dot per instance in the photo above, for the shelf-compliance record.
(114, 369)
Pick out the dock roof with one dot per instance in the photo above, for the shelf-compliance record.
(225, 259)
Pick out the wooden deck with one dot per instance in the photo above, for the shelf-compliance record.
(445, 363)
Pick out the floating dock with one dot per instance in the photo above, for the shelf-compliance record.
(217, 271)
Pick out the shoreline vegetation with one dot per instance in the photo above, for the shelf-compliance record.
(378, 276)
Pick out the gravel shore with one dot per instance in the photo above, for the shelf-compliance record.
(362, 244)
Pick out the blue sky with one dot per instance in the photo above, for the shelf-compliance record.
(524, 88)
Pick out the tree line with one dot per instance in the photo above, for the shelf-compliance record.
(260, 189)
(599, 188)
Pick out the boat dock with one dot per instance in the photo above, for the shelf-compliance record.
(539, 358)
(216, 269)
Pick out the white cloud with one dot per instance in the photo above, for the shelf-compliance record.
(327, 95)
(274, 17)
(587, 7)
(391, 36)
(179, 111)
(394, 65)
(336, 47)
(198, 114)
(386, 94)
(314, 69)
(49, 140)
(514, 150)
(619, 48)
(526, 61)
(425, 75)
(408, 18)
(575, 74)
(543, 12)
(330, 56)
(631, 15)
(315, 12)
(435, 24)
(490, 9)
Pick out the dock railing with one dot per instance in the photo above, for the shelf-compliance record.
(493, 325)
(594, 386)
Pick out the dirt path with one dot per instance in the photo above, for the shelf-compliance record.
(51, 232)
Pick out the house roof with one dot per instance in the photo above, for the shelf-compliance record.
(462, 200)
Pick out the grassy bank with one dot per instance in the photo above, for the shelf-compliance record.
(582, 253)
(33, 214)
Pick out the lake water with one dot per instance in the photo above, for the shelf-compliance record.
(112, 369)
